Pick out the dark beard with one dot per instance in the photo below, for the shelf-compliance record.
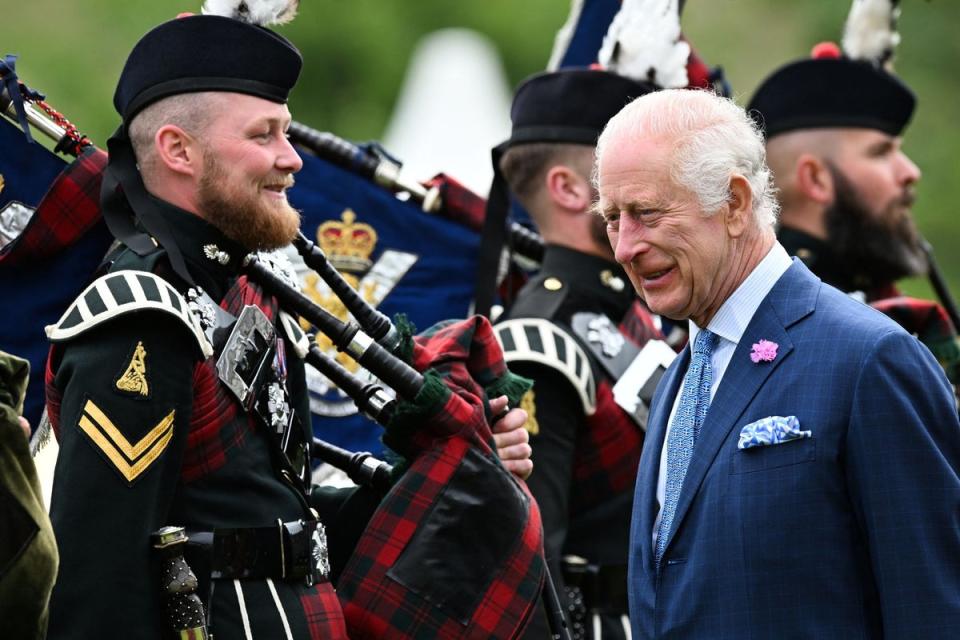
(243, 218)
(877, 250)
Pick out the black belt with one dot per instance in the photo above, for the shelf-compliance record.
(604, 588)
(289, 551)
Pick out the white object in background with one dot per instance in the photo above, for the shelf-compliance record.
(454, 107)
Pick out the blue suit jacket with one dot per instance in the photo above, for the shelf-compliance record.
(852, 533)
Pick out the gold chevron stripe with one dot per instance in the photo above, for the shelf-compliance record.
(130, 459)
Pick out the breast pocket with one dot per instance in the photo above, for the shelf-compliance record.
(774, 456)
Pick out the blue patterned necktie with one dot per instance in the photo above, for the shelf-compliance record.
(694, 402)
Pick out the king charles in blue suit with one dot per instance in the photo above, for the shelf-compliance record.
(800, 473)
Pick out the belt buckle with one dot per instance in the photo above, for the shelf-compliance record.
(247, 355)
(308, 557)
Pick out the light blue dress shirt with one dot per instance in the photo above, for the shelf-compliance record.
(729, 324)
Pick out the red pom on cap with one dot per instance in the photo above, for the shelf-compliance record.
(185, 14)
(825, 51)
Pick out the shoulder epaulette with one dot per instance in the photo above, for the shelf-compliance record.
(122, 292)
(542, 342)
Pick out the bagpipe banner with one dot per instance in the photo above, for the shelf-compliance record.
(399, 258)
(53, 240)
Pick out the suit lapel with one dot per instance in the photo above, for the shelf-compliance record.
(791, 299)
(645, 499)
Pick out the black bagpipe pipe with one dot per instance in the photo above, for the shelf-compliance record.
(939, 284)
(384, 171)
(364, 341)
(371, 320)
(348, 337)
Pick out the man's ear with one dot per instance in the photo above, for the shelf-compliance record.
(567, 188)
(813, 179)
(178, 150)
(739, 214)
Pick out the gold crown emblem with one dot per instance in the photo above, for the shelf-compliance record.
(348, 244)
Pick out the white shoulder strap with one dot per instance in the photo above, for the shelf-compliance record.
(541, 341)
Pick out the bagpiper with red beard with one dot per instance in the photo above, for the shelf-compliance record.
(152, 431)
(175, 385)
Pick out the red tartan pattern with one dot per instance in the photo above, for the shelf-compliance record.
(926, 319)
(608, 450)
(608, 453)
(53, 394)
(321, 608)
(377, 607)
(638, 325)
(244, 293)
(70, 208)
(459, 203)
(217, 424)
(468, 358)
(466, 353)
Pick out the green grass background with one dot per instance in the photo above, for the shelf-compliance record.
(356, 53)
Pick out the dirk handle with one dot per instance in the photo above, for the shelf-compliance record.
(184, 610)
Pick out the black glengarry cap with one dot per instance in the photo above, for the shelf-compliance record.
(206, 53)
(832, 92)
(570, 105)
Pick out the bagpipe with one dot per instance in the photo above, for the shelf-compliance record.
(455, 549)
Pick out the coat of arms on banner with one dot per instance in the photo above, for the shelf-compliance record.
(348, 245)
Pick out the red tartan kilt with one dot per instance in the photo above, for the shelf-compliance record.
(455, 550)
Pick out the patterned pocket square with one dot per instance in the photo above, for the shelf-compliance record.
(772, 430)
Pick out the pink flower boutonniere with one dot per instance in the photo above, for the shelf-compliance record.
(764, 351)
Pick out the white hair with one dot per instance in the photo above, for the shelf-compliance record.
(713, 139)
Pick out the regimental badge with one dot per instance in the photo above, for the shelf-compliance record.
(602, 332)
(134, 377)
(200, 306)
(2, 183)
(348, 245)
(528, 404)
(130, 459)
(213, 252)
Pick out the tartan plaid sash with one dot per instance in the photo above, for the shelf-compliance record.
(70, 208)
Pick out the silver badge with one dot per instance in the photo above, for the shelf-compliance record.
(213, 252)
(321, 556)
(278, 407)
(199, 305)
(279, 265)
(602, 332)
